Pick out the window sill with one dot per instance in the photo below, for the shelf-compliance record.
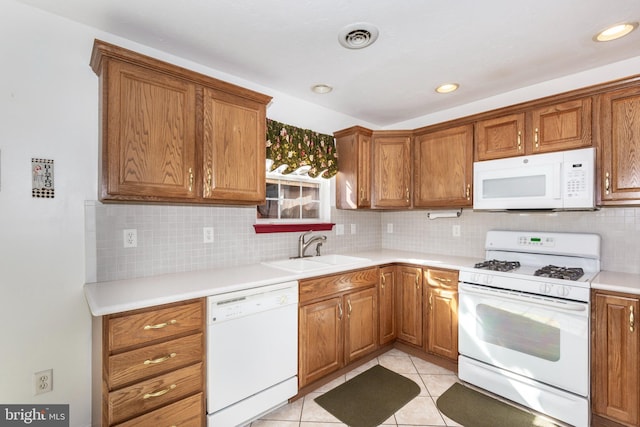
(288, 228)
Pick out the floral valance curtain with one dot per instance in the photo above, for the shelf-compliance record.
(295, 147)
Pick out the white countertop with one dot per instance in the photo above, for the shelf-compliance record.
(130, 294)
(618, 282)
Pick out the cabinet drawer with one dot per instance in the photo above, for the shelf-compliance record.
(188, 412)
(149, 325)
(446, 279)
(153, 393)
(329, 285)
(155, 359)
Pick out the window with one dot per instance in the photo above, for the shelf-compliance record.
(295, 198)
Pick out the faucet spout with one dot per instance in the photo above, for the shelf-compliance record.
(304, 244)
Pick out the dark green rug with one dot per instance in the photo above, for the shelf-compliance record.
(471, 408)
(368, 399)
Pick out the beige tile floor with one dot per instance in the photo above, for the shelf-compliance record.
(420, 412)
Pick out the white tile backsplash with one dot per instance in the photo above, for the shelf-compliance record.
(170, 237)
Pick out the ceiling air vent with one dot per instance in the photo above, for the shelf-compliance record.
(358, 36)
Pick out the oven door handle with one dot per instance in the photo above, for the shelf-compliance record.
(465, 288)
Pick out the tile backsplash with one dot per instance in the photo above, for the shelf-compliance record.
(170, 238)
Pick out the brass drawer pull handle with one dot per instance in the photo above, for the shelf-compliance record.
(159, 393)
(606, 183)
(519, 140)
(190, 179)
(632, 319)
(160, 325)
(535, 137)
(350, 308)
(160, 359)
(384, 280)
(468, 191)
(442, 279)
(339, 311)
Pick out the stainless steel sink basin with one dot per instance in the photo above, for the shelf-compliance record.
(301, 265)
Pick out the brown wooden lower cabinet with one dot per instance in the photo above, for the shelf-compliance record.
(387, 297)
(409, 304)
(338, 322)
(149, 366)
(615, 377)
(441, 291)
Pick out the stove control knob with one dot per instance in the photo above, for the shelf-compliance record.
(545, 288)
(488, 279)
(563, 291)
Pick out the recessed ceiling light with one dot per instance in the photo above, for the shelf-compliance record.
(447, 87)
(321, 88)
(358, 35)
(615, 32)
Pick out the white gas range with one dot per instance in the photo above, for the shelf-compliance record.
(524, 320)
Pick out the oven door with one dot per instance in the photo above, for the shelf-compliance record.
(545, 339)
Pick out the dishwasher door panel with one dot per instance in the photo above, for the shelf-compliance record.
(250, 354)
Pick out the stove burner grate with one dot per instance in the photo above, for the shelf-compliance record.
(497, 265)
(556, 272)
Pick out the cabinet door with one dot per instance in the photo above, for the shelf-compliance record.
(387, 303)
(620, 127)
(149, 137)
(320, 340)
(353, 181)
(500, 137)
(361, 326)
(561, 127)
(442, 316)
(233, 148)
(443, 168)
(615, 350)
(391, 171)
(409, 304)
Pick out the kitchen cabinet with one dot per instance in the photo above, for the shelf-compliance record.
(443, 168)
(387, 302)
(409, 304)
(620, 146)
(562, 126)
(172, 135)
(615, 350)
(338, 322)
(149, 365)
(441, 287)
(353, 181)
(391, 169)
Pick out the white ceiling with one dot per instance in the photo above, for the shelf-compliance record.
(489, 47)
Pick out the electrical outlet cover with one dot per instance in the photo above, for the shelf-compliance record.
(43, 381)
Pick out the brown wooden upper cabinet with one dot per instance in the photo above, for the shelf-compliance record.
(172, 135)
(353, 181)
(620, 146)
(443, 168)
(562, 126)
(391, 169)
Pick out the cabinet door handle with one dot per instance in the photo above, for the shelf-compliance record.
(430, 300)
(361, 194)
(384, 280)
(417, 281)
(519, 140)
(340, 311)
(350, 308)
(535, 137)
(407, 193)
(632, 319)
(159, 359)
(159, 393)
(190, 179)
(160, 325)
(468, 191)
(606, 183)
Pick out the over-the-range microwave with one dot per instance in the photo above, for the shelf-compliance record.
(552, 181)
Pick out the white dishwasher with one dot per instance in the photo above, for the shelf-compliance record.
(252, 352)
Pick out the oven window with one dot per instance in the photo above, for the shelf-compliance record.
(537, 337)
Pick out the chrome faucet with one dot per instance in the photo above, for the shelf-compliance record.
(303, 245)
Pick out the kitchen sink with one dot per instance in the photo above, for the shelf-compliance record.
(302, 265)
